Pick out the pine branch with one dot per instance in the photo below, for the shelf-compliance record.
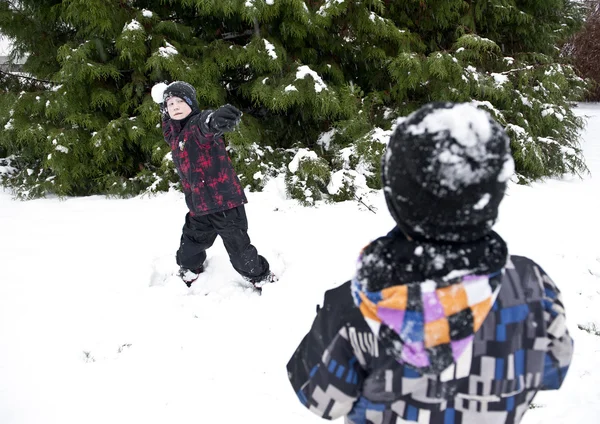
(232, 35)
(526, 68)
(256, 27)
(27, 78)
(371, 208)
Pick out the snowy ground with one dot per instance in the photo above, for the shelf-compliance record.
(88, 334)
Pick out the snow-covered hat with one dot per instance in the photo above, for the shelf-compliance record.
(184, 91)
(445, 172)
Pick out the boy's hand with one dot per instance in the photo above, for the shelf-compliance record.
(225, 118)
(163, 110)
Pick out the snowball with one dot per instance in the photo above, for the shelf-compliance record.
(157, 92)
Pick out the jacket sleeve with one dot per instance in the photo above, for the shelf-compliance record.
(324, 371)
(204, 122)
(167, 126)
(560, 347)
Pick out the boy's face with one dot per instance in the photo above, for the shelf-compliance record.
(178, 109)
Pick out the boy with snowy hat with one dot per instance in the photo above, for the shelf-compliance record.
(440, 324)
(212, 189)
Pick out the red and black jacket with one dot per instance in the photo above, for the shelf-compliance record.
(209, 182)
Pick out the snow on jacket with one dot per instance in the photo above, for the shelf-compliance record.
(209, 181)
(518, 344)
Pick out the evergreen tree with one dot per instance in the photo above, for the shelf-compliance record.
(584, 47)
(321, 84)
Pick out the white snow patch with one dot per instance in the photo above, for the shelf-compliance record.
(134, 25)
(500, 79)
(167, 51)
(373, 16)
(304, 70)
(345, 176)
(471, 128)
(62, 149)
(508, 169)
(483, 202)
(467, 124)
(328, 4)
(345, 154)
(270, 49)
(301, 155)
(380, 135)
(525, 100)
(516, 128)
(7, 170)
(147, 13)
(547, 112)
(325, 138)
(473, 71)
(290, 88)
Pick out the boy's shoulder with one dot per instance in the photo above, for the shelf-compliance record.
(522, 261)
(339, 296)
(524, 267)
(525, 281)
(339, 301)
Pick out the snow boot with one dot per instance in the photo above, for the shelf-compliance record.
(259, 282)
(190, 275)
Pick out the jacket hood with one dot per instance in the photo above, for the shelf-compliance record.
(428, 323)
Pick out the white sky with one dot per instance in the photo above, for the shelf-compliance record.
(4, 46)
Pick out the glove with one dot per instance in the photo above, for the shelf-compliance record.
(225, 119)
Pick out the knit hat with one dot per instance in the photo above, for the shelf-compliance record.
(445, 172)
(184, 91)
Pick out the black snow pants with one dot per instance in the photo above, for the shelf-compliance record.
(200, 232)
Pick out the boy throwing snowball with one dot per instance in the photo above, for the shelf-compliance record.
(213, 193)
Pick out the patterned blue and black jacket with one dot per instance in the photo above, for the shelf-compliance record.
(344, 367)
